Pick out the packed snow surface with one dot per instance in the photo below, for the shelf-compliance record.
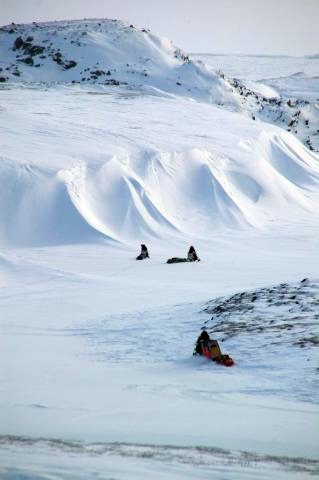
(113, 139)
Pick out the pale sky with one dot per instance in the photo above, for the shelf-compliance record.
(282, 27)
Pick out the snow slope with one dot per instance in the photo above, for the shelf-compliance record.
(105, 371)
(108, 170)
(280, 90)
(107, 52)
(111, 52)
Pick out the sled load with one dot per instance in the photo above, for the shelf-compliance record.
(210, 349)
(177, 260)
(191, 257)
(144, 253)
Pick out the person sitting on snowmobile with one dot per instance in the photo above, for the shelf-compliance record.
(144, 253)
(192, 255)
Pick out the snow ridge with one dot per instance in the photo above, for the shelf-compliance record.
(152, 196)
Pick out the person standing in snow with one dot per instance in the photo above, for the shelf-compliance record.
(144, 253)
(192, 255)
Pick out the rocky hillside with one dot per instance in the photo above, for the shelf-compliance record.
(107, 52)
(111, 52)
(275, 331)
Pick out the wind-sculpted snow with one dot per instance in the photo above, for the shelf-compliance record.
(39, 209)
(191, 192)
(91, 166)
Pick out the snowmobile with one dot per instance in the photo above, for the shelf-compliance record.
(177, 260)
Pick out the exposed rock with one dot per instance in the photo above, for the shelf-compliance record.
(70, 64)
(284, 308)
(18, 43)
(27, 60)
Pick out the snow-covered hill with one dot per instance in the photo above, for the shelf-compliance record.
(107, 52)
(111, 52)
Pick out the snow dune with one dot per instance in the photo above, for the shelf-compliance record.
(190, 192)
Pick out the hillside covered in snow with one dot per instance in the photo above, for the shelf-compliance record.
(145, 165)
(110, 52)
(106, 52)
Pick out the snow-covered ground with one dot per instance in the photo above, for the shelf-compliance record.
(281, 78)
(98, 378)
(291, 77)
(264, 67)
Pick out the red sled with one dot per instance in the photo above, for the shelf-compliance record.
(224, 360)
(221, 359)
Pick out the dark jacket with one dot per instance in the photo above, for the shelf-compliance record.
(201, 341)
(192, 255)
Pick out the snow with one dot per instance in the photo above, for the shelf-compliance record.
(97, 368)
(105, 352)
(111, 52)
(277, 77)
(110, 184)
(260, 67)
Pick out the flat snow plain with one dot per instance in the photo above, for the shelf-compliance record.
(98, 378)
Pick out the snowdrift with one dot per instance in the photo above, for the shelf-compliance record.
(130, 198)
(39, 210)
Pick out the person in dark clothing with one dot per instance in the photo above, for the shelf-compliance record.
(207, 346)
(144, 253)
(192, 255)
(210, 349)
(201, 342)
